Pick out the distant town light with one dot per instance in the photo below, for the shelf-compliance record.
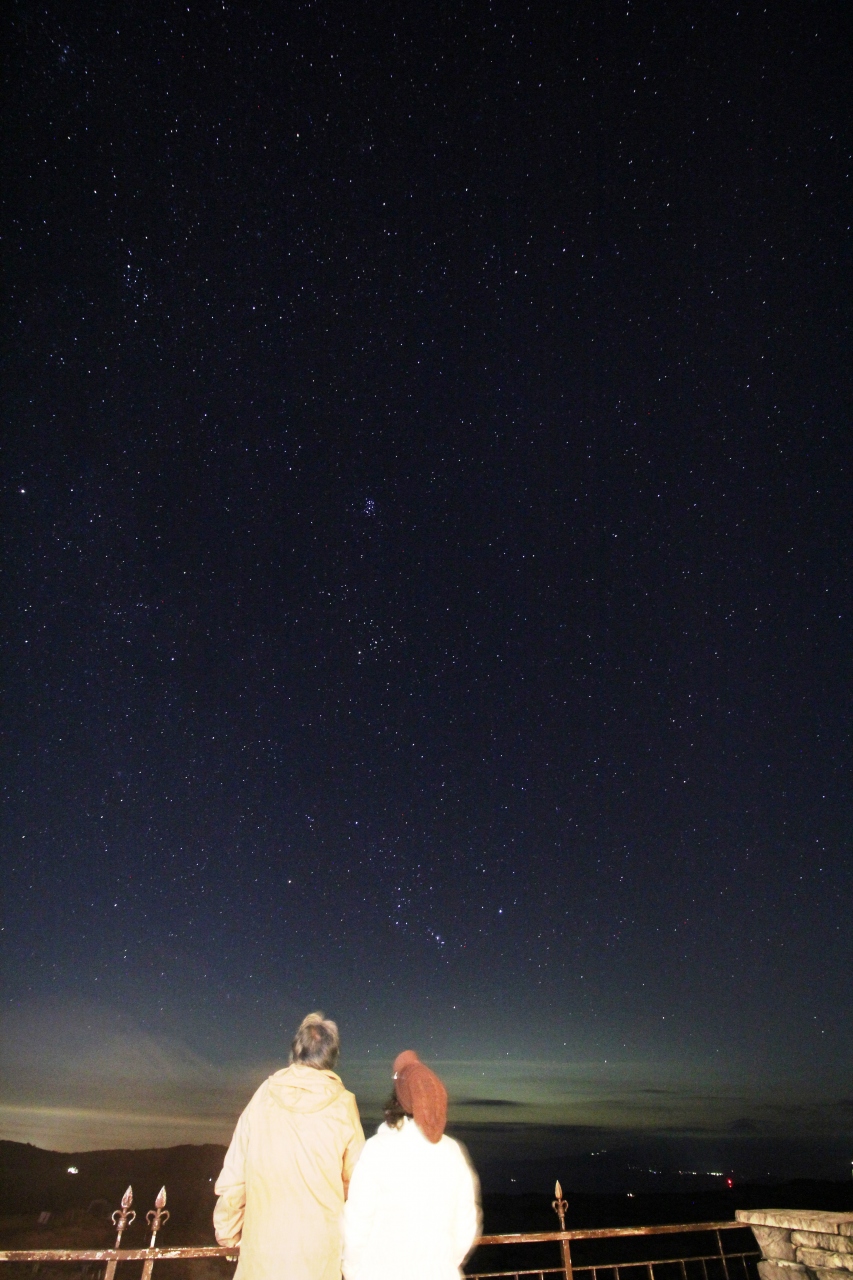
(72, 1168)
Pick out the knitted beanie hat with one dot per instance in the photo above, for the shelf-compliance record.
(421, 1094)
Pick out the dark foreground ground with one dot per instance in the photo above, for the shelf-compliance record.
(34, 1182)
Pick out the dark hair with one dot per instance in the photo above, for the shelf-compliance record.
(394, 1111)
(316, 1043)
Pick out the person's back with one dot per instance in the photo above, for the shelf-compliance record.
(411, 1200)
(282, 1187)
(413, 1211)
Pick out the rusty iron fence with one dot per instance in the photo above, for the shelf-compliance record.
(687, 1259)
(122, 1219)
(697, 1252)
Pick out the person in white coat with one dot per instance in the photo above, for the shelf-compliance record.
(413, 1211)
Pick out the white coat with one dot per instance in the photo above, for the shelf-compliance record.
(282, 1187)
(413, 1211)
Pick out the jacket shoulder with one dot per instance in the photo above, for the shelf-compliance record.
(350, 1106)
(454, 1153)
(260, 1094)
(374, 1149)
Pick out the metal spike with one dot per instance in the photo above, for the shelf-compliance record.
(559, 1205)
(121, 1219)
(160, 1202)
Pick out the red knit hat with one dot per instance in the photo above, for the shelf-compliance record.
(421, 1094)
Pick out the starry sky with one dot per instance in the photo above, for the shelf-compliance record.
(426, 497)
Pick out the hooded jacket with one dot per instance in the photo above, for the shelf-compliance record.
(413, 1211)
(283, 1185)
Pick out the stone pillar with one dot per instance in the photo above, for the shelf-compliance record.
(802, 1244)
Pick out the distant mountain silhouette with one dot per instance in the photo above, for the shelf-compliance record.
(33, 1181)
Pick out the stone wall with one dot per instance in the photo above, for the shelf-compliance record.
(802, 1244)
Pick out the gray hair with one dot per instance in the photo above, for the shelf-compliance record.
(316, 1043)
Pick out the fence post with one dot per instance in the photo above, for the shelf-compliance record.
(156, 1218)
(121, 1218)
(559, 1205)
(722, 1255)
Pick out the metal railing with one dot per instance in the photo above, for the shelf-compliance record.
(121, 1219)
(716, 1264)
(697, 1264)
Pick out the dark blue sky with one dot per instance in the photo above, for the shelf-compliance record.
(428, 561)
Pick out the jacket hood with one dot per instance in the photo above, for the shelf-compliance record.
(305, 1089)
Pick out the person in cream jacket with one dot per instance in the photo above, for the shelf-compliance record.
(282, 1187)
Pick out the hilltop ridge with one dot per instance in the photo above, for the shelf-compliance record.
(33, 1181)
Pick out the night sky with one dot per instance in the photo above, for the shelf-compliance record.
(426, 496)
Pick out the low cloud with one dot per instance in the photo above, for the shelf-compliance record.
(81, 1077)
(485, 1102)
(78, 1077)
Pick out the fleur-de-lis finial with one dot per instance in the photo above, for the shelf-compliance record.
(122, 1218)
(156, 1218)
(559, 1205)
